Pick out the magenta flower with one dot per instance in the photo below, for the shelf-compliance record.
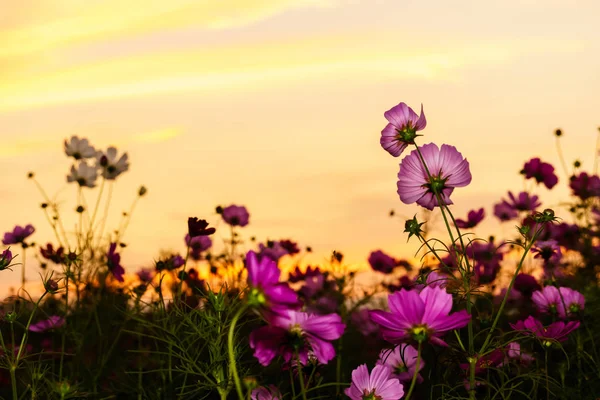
(378, 385)
(419, 316)
(547, 299)
(170, 263)
(382, 262)
(513, 351)
(548, 250)
(266, 292)
(571, 302)
(526, 284)
(297, 332)
(113, 261)
(49, 253)
(431, 279)
(487, 258)
(235, 215)
(402, 360)
(53, 322)
(585, 186)
(522, 202)
(542, 172)
(199, 243)
(557, 331)
(273, 250)
(266, 393)
(402, 128)
(448, 170)
(290, 246)
(18, 235)
(474, 217)
(504, 212)
(6, 258)
(145, 275)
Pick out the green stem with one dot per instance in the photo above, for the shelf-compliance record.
(62, 353)
(416, 373)
(300, 376)
(546, 371)
(24, 258)
(232, 364)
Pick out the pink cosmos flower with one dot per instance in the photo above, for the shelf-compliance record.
(298, 332)
(474, 217)
(362, 322)
(504, 212)
(419, 316)
(557, 331)
(448, 170)
(382, 262)
(51, 323)
(113, 261)
(266, 393)
(547, 299)
(296, 275)
(522, 202)
(402, 128)
(18, 235)
(6, 258)
(266, 292)
(402, 360)
(542, 172)
(571, 302)
(49, 253)
(585, 186)
(432, 279)
(548, 250)
(111, 165)
(235, 215)
(378, 385)
(513, 351)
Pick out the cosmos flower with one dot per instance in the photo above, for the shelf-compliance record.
(504, 212)
(113, 261)
(448, 170)
(474, 217)
(379, 385)
(109, 164)
(513, 352)
(51, 323)
(56, 256)
(548, 250)
(273, 250)
(585, 186)
(542, 172)
(18, 235)
(235, 215)
(296, 275)
(266, 393)
(419, 316)
(526, 284)
(85, 175)
(402, 128)
(199, 227)
(547, 299)
(382, 262)
(6, 258)
(297, 332)
(79, 148)
(402, 360)
(522, 202)
(570, 302)
(557, 331)
(199, 243)
(145, 275)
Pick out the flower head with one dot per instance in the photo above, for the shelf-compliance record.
(585, 186)
(199, 227)
(526, 284)
(448, 170)
(145, 275)
(571, 302)
(273, 250)
(235, 215)
(402, 360)
(49, 253)
(296, 275)
(295, 332)
(504, 212)
(113, 261)
(109, 164)
(402, 128)
(379, 385)
(474, 217)
(522, 202)
(18, 235)
(557, 331)
(85, 175)
(6, 258)
(548, 250)
(542, 172)
(51, 323)
(382, 262)
(266, 393)
(419, 316)
(79, 148)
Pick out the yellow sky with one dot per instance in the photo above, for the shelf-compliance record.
(278, 104)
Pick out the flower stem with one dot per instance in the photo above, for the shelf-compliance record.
(232, 365)
(300, 376)
(416, 373)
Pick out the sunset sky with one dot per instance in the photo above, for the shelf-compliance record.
(278, 105)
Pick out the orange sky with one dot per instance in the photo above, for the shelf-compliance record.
(278, 105)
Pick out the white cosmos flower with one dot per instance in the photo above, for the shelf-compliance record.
(84, 175)
(110, 165)
(79, 148)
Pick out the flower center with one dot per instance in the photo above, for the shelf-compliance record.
(407, 134)
(574, 308)
(552, 308)
(81, 181)
(295, 337)
(401, 368)
(370, 395)
(256, 297)
(420, 333)
(436, 184)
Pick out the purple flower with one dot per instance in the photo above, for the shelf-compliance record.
(513, 351)
(199, 243)
(6, 258)
(199, 227)
(448, 170)
(487, 260)
(291, 247)
(170, 263)
(526, 284)
(547, 299)
(145, 275)
(402, 360)
(382, 262)
(571, 302)
(378, 385)
(548, 250)
(113, 261)
(402, 128)
(273, 250)
(266, 292)
(266, 393)
(56, 256)
(51, 323)
(504, 212)
(431, 279)
(542, 172)
(235, 215)
(474, 217)
(362, 322)
(419, 316)
(557, 331)
(297, 332)
(18, 235)
(522, 202)
(585, 186)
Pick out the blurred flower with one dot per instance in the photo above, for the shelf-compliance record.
(110, 165)
(266, 292)
(419, 316)
(402, 128)
(557, 331)
(273, 250)
(448, 170)
(542, 172)
(199, 227)
(362, 322)
(113, 261)
(296, 275)
(585, 186)
(431, 279)
(79, 148)
(266, 393)
(513, 351)
(547, 299)
(235, 215)
(56, 256)
(504, 212)
(84, 175)
(297, 332)
(571, 302)
(53, 322)
(145, 275)
(382, 262)
(526, 284)
(402, 360)
(522, 202)
(170, 263)
(6, 258)
(379, 385)
(197, 245)
(474, 217)
(289, 246)
(492, 359)
(18, 235)
(487, 258)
